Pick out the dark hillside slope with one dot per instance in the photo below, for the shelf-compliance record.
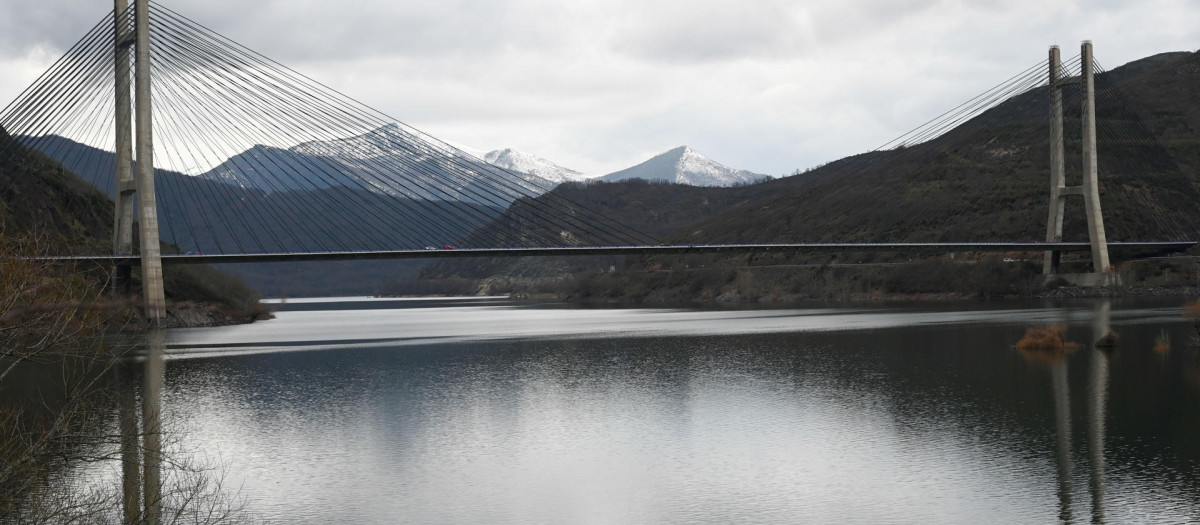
(1168, 102)
(655, 209)
(209, 215)
(988, 179)
(41, 199)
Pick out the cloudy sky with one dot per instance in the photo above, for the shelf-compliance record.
(599, 85)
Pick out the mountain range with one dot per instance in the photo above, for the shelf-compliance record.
(681, 165)
(369, 161)
(390, 160)
(521, 162)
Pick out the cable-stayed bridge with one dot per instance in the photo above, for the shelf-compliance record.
(245, 160)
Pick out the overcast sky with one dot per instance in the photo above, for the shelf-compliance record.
(599, 85)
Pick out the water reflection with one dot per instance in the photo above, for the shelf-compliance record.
(1062, 419)
(131, 465)
(1097, 405)
(141, 477)
(152, 425)
(929, 421)
(1097, 395)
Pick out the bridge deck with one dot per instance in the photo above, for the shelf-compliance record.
(1156, 247)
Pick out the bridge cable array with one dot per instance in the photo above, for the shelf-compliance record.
(253, 157)
(1136, 165)
(895, 163)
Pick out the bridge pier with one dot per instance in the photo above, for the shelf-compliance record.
(123, 184)
(1058, 180)
(153, 297)
(139, 181)
(1101, 274)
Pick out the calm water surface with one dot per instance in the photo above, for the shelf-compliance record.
(486, 411)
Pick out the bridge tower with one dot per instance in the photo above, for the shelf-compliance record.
(1101, 273)
(136, 179)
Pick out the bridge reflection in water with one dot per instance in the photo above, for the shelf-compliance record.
(1097, 401)
(143, 474)
(141, 447)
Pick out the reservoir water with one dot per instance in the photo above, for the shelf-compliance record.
(490, 411)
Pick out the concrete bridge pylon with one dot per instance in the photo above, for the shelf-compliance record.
(136, 180)
(1101, 274)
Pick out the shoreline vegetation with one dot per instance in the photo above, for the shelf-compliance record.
(689, 281)
(680, 281)
(47, 209)
(63, 376)
(77, 293)
(64, 368)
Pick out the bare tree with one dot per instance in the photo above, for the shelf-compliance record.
(61, 436)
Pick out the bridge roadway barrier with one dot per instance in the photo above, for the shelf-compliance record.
(1142, 249)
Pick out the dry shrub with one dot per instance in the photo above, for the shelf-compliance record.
(1046, 345)
(1192, 310)
(42, 308)
(1051, 337)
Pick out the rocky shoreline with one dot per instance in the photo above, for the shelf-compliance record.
(734, 298)
(197, 315)
(191, 315)
(1154, 291)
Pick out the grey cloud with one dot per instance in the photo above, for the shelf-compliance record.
(305, 29)
(310, 30)
(56, 24)
(597, 85)
(700, 32)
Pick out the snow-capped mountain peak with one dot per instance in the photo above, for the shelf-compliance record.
(684, 165)
(514, 160)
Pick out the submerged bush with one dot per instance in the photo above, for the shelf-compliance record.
(1051, 337)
